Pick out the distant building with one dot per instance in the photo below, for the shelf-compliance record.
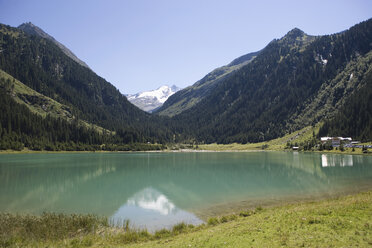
(336, 141)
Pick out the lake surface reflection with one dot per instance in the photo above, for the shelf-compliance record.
(152, 210)
(335, 160)
(157, 190)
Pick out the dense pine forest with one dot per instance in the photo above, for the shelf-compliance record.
(355, 117)
(20, 128)
(296, 81)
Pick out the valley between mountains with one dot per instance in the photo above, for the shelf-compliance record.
(51, 100)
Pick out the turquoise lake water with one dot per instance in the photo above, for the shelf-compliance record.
(156, 190)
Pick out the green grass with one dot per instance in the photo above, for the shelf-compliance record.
(339, 222)
(278, 144)
(49, 227)
(343, 222)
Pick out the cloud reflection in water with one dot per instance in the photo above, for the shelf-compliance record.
(151, 209)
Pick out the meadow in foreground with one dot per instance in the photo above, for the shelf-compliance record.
(339, 222)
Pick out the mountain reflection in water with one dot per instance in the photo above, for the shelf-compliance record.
(159, 190)
(152, 210)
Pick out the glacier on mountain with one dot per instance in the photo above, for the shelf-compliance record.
(151, 100)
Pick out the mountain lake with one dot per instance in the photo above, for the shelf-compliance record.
(158, 190)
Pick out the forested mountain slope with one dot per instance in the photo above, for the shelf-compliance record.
(188, 97)
(31, 29)
(38, 103)
(41, 65)
(355, 116)
(275, 92)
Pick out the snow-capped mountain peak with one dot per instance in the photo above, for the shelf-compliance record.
(150, 100)
(161, 94)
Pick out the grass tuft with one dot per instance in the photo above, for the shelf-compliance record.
(246, 213)
(162, 233)
(213, 221)
(259, 208)
(228, 218)
(179, 228)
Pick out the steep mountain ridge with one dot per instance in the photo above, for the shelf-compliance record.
(31, 29)
(153, 99)
(270, 96)
(190, 96)
(41, 65)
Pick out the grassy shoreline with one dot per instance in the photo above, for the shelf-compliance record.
(279, 144)
(201, 148)
(338, 222)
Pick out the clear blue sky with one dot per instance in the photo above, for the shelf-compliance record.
(139, 45)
